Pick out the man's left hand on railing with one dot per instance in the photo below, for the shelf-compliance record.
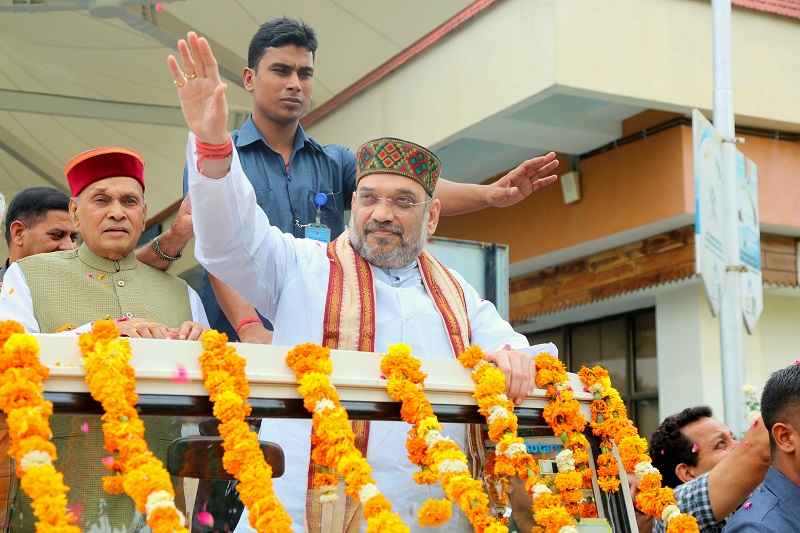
(519, 370)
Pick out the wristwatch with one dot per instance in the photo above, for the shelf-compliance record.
(160, 253)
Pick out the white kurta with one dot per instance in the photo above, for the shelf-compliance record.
(286, 279)
(20, 307)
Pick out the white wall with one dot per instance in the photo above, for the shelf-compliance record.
(689, 362)
(689, 369)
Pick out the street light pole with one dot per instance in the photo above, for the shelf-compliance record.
(730, 315)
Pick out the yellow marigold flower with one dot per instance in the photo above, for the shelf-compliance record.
(568, 480)
(435, 512)
(608, 484)
(8, 328)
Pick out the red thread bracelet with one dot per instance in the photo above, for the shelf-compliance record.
(214, 152)
(246, 321)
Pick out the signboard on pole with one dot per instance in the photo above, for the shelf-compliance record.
(749, 240)
(708, 197)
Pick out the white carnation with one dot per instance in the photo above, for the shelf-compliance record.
(495, 412)
(670, 512)
(432, 437)
(324, 404)
(329, 497)
(539, 489)
(478, 365)
(367, 492)
(644, 467)
(514, 448)
(565, 461)
(35, 458)
(452, 465)
(328, 494)
(162, 498)
(564, 385)
(596, 388)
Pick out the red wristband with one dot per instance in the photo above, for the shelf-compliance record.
(246, 321)
(214, 152)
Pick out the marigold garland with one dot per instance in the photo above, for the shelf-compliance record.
(112, 382)
(438, 456)
(333, 440)
(22, 399)
(225, 379)
(512, 458)
(564, 417)
(610, 422)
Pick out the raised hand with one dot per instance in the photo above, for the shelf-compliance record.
(201, 90)
(522, 181)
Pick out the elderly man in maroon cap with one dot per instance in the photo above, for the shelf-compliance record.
(101, 278)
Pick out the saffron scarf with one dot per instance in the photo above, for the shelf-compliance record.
(349, 324)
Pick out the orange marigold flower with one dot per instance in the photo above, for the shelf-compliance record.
(426, 476)
(105, 330)
(471, 357)
(309, 357)
(587, 509)
(553, 518)
(632, 450)
(682, 523)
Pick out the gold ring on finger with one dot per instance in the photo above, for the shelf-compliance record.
(190, 76)
(135, 326)
(179, 83)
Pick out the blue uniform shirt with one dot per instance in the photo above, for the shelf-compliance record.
(773, 506)
(287, 195)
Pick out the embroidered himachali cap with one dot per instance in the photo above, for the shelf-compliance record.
(101, 163)
(388, 155)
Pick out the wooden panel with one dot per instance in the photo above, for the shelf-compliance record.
(779, 260)
(648, 263)
(630, 267)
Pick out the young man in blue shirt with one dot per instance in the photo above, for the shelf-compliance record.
(775, 505)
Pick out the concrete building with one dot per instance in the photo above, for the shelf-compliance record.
(609, 85)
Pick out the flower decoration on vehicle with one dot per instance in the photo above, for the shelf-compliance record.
(438, 457)
(112, 382)
(225, 380)
(333, 441)
(610, 422)
(22, 379)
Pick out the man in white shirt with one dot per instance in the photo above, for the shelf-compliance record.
(372, 287)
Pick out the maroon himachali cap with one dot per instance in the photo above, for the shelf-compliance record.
(101, 163)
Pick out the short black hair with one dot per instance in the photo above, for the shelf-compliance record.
(280, 32)
(669, 447)
(780, 400)
(30, 206)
